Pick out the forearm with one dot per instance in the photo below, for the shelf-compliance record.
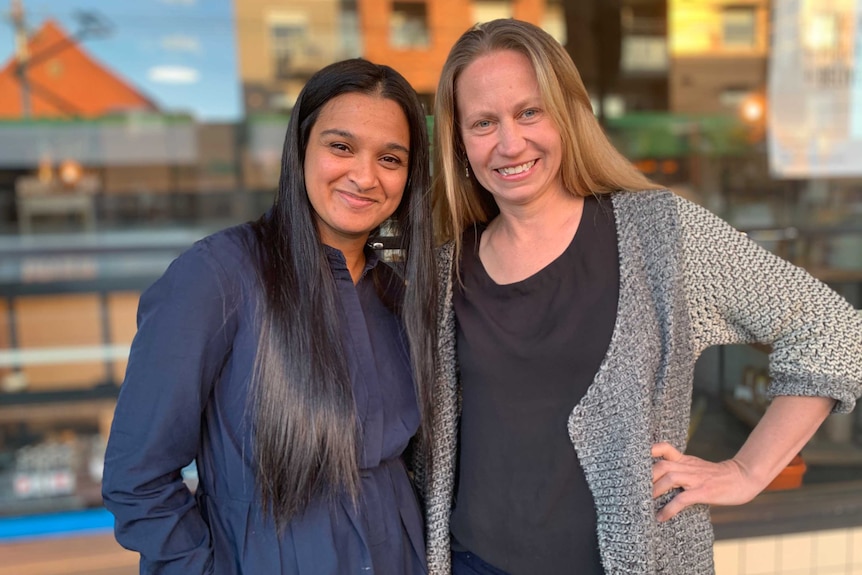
(785, 428)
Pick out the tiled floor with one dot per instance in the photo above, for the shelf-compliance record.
(836, 552)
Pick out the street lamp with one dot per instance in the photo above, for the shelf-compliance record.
(752, 109)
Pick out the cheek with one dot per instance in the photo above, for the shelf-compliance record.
(316, 183)
(319, 170)
(309, 172)
(395, 188)
(475, 150)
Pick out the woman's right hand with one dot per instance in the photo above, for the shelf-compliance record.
(700, 481)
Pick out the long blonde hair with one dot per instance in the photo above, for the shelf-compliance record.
(590, 163)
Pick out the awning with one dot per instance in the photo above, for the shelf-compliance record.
(127, 140)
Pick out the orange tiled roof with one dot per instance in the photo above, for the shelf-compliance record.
(85, 87)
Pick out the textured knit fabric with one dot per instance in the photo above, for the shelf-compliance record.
(185, 397)
(687, 281)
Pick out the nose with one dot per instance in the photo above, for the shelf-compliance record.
(363, 173)
(511, 141)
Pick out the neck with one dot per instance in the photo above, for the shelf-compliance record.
(542, 221)
(520, 242)
(354, 256)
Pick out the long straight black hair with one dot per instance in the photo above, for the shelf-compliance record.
(305, 428)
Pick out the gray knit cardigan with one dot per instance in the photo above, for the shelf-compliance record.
(687, 281)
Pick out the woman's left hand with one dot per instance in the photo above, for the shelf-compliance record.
(701, 481)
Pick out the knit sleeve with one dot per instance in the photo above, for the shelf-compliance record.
(739, 292)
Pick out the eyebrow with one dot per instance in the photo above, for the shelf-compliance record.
(394, 146)
(529, 102)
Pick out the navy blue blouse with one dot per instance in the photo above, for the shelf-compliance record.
(185, 398)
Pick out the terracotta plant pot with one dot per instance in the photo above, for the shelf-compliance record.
(790, 477)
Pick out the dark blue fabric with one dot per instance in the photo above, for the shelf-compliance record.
(185, 397)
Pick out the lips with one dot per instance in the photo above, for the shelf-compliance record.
(355, 201)
(514, 170)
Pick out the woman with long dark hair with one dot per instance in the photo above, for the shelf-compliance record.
(289, 361)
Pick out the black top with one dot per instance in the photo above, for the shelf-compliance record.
(528, 351)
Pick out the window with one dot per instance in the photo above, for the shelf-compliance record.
(644, 54)
(739, 27)
(408, 27)
(486, 10)
(288, 41)
(821, 32)
(732, 97)
(554, 21)
(349, 30)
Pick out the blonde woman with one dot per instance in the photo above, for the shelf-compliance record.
(575, 297)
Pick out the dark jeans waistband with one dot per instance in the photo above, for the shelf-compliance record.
(467, 563)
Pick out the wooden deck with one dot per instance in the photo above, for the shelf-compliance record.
(96, 554)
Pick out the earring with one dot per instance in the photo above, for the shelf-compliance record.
(467, 170)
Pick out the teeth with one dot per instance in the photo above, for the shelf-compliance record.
(516, 169)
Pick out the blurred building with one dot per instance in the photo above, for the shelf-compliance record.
(719, 51)
(644, 65)
(128, 156)
(281, 43)
(621, 50)
(688, 104)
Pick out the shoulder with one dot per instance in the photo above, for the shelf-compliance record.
(651, 215)
(665, 210)
(636, 204)
(232, 249)
(223, 261)
(233, 246)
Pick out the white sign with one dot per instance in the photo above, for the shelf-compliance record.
(815, 89)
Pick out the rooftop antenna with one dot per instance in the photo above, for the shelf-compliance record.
(22, 54)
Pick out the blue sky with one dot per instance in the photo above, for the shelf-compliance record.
(181, 53)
